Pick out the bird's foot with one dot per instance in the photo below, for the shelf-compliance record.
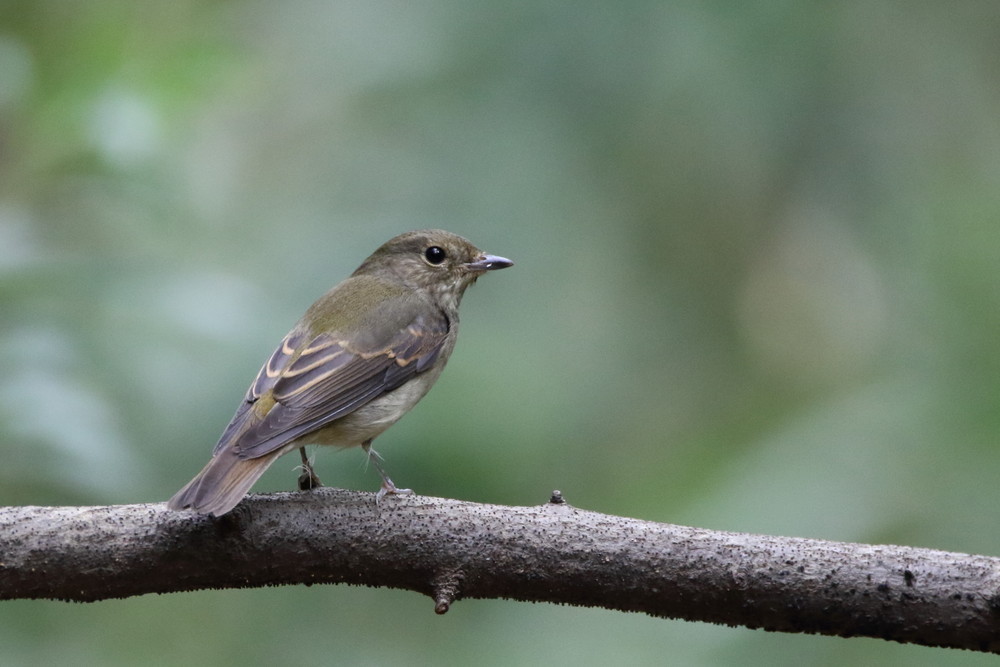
(308, 479)
(389, 488)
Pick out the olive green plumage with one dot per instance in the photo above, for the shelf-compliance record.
(359, 359)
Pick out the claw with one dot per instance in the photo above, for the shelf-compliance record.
(387, 486)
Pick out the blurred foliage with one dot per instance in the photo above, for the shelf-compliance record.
(756, 288)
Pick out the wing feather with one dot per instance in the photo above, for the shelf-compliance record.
(315, 381)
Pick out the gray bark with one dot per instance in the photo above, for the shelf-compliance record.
(554, 552)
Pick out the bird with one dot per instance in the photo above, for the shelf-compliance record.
(359, 359)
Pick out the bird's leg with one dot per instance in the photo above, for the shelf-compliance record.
(387, 485)
(308, 479)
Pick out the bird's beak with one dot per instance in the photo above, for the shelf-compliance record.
(489, 263)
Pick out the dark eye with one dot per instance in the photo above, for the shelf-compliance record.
(435, 254)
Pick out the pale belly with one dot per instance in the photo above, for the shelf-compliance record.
(372, 418)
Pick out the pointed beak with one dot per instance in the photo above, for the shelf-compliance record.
(489, 263)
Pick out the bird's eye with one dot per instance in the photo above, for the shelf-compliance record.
(435, 254)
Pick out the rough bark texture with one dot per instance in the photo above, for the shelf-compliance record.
(554, 552)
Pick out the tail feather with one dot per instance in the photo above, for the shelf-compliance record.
(221, 484)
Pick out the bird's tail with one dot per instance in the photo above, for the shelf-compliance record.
(222, 483)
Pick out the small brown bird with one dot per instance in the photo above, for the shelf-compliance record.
(358, 360)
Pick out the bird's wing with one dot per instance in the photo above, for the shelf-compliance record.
(328, 379)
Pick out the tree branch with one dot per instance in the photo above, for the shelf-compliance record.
(450, 550)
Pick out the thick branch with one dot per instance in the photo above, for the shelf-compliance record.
(554, 553)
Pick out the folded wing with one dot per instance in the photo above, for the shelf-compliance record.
(313, 380)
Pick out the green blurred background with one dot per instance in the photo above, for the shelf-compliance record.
(756, 288)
